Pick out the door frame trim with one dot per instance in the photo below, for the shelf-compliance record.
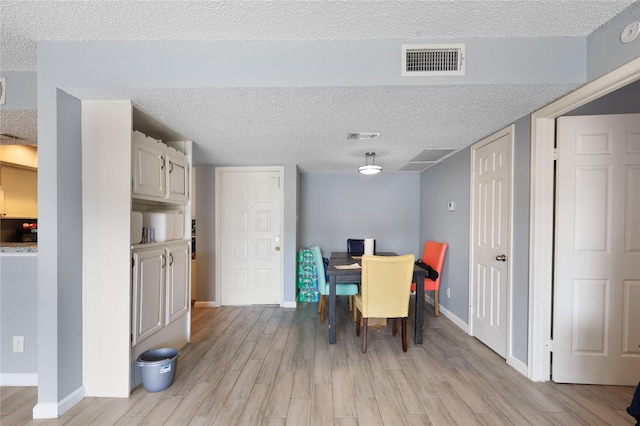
(541, 209)
(218, 225)
(509, 130)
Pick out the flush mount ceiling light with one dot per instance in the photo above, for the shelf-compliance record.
(370, 168)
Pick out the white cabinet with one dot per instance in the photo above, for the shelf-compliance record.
(160, 172)
(177, 176)
(127, 308)
(149, 278)
(178, 301)
(160, 288)
(148, 166)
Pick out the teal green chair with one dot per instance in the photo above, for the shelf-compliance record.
(323, 286)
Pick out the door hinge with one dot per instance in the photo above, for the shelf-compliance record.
(554, 154)
(549, 345)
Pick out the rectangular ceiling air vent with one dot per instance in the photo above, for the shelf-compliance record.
(432, 154)
(417, 167)
(362, 135)
(432, 59)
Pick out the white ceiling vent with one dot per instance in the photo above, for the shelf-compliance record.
(426, 159)
(432, 155)
(432, 59)
(362, 135)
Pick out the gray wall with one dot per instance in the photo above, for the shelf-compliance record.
(337, 206)
(18, 283)
(605, 51)
(520, 244)
(623, 101)
(450, 181)
(205, 230)
(69, 298)
(21, 90)
(18, 315)
(290, 238)
(439, 184)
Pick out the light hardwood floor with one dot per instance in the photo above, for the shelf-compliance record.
(265, 365)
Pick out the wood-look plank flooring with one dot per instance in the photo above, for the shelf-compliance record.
(265, 365)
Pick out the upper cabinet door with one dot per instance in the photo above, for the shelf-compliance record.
(177, 176)
(149, 166)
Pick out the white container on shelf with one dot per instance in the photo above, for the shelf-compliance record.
(178, 225)
(162, 224)
(136, 227)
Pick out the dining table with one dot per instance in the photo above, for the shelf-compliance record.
(342, 269)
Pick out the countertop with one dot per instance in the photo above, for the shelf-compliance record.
(12, 247)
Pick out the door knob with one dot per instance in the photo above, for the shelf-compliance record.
(501, 258)
(277, 248)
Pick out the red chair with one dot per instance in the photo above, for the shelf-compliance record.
(433, 255)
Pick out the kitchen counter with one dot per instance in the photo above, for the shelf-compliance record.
(13, 247)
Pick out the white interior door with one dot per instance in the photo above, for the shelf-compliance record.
(491, 240)
(596, 328)
(249, 236)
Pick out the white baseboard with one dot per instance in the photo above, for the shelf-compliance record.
(70, 400)
(514, 362)
(213, 304)
(52, 410)
(518, 365)
(46, 410)
(11, 379)
(451, 316)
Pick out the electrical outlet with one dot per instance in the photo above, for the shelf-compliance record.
(449, 292)
(18, 343)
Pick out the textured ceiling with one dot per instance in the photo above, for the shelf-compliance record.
(307, 125)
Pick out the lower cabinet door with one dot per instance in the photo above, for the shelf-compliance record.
(178, 300)
(149, 272)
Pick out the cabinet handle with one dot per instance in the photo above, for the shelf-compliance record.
(170, 166)
(164, 261)
(163, 163)
(171, 257)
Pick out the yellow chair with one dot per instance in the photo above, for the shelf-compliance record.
(384, 292)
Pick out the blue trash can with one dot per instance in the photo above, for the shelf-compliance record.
(158, 368)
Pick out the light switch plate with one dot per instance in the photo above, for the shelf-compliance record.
(18, 343)
(451, 206)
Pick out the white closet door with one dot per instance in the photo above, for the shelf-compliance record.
(596, 330)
